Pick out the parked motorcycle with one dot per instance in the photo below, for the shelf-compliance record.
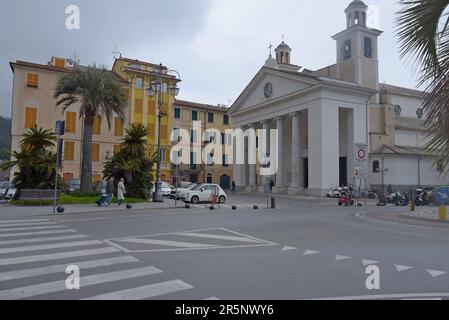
(395, 198)
(423, 197)
(370, 194)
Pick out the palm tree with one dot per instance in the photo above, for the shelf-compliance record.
(38, 139)
(423, 32)
(135, 140)
(97, 93)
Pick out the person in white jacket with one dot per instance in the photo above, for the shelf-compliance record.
(121, 191)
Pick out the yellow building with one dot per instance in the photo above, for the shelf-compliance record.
(34, 105)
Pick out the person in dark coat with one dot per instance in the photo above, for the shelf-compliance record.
(233, 188)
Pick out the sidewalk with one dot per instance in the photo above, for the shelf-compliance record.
(426, 213)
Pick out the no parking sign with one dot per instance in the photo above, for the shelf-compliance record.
(361, 161)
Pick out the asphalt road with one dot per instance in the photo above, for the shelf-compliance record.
(305, 249)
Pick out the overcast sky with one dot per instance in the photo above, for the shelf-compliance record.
(216, 45)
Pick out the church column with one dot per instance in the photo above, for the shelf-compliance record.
(280, 175)
(239, 168)
(296, 155)
(264, 147)
(324, 147)
(252, 158)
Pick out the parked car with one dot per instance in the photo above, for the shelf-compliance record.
(74, 185)
(4, 186)
(165, 188)
(203, 194)
(182, 188)
(10, 194)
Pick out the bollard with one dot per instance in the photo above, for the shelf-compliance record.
(273, 203)
(443, 213)
(411, 206)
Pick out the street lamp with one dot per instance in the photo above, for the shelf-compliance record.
(156, 88)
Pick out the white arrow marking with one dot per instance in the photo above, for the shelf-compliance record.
(341, 258)
(369, 262)
(309, 252)
(435, 273)
(401, 268)
(286, 248)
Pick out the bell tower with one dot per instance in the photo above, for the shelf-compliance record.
(357, 48)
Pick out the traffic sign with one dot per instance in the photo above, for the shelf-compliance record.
(440, 196)
(361, 152)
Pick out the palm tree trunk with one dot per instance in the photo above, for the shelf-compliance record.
(86, 166)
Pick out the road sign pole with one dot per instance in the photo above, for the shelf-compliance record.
(56, 173)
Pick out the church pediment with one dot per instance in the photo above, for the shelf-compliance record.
(271, 85)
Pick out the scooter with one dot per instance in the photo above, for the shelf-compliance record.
(423, 198)
(394, 198)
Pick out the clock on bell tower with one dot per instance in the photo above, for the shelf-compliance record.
(357, 50)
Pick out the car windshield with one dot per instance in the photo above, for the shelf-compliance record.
(198, 187)
(5, 185)
(75, 182)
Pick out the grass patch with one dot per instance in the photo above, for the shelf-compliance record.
(71, 199)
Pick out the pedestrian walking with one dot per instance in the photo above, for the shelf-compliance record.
(121, 191)
(110, 190)
(271, 185)
(233, 188)
(106, 192)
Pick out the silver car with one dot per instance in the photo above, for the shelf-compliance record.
(4, 186)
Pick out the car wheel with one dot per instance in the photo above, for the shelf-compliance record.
(222, 199)
(195, 200)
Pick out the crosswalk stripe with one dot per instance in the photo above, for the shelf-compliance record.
(7, 235)
(84, 265)
(50, 246)
(56, 256)
(19, 221)
(86, 281)
(24, 224)
(169, 243)
(145, 292)
(30, 228)
(220, 237)
(34, 240)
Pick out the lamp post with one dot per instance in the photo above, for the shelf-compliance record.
(155, 89)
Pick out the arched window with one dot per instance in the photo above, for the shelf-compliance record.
(209, 178)
(376, 166)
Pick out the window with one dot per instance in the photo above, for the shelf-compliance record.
(70, 122)
(97, 125)
(193, 136)
(69, 150)
(151, 131)
(138, 106)
(209, 180)
(223, 139)
(177, 113)
(117, 148)
(60, 63)
(152, 107)
(225, 160)
(30, 118)
(376, 166)
(163, 155)
(193, 160)
(164, 132)
(139, 83)
(118, 127)
(210, 117)
(194, 115)
(177, 134)
(96, 178)
(225, 119)
(32, 80)
(95, 152)
(368, 47)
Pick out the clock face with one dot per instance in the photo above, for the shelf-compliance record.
(397, 110)
(346, 49)
(268, 90)
(420, 113)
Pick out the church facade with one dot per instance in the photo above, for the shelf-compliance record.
(336, 125)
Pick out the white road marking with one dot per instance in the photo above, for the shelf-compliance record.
(145, 292)
(7, 235)
(51, 246)
(169, 243)
(34, 240)
(390, 296)
(56, 256)
(31, 228)
(19, 221)
(219, 237)
(24, 224)
(369, 262)
(435, 273)
(86, 281)
(310, 252)
(341, 258)
(287, 248)
(401, 268)
(83, 265)
(212, 299)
